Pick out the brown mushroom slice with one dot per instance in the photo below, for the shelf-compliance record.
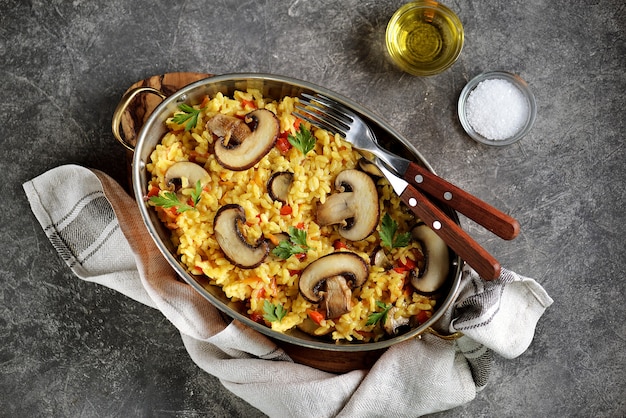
(230, 239)
(392, 324)
(437, 261)
(337, 298)
(244, 143)
(279, 184)
(185, 169)
(369, 167)
(329, 281)
(355, 208)
(379, 258)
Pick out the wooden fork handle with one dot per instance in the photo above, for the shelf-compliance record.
(457, 239)
(469, 205)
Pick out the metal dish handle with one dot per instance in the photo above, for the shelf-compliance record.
(126, 100)
(448, 337)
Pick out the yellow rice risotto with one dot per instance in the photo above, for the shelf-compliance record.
(273, 236)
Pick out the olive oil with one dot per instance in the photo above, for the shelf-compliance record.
(424, 40)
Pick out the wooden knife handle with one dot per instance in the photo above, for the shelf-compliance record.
(457, 239)
(469, 205)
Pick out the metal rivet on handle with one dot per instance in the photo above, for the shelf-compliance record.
(412, 202)
(447, 196)
(436, 225)
(419, 178)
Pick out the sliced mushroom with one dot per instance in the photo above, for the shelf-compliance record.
(185, 169)
(279, 184)
(329, 281)
(230, 239)
(338, 298)
(369, 167)
(437, 262)
(354, 208)
(244, 143)
(392, 324)
(379, 258)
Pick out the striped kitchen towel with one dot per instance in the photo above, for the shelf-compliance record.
(98, 231)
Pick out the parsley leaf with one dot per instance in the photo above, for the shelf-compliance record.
(376, 317)
(296, 244)
(170, 200)
(302, 140)
(196, 193)
(273, 313)
(189, 115)
(388, 236)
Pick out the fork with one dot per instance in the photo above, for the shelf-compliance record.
(328, 114)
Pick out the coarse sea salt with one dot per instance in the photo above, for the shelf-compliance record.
(496, 109)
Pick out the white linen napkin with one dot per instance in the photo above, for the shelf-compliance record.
(97, 230)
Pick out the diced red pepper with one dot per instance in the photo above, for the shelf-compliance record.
(296, 124)
(283, 144)
(257, 317)
(315, 316)
(154, 191)
(339, 245)
(407, 266)
(248, 103)
(205, 101)
(301, 226)
(286, 210)
(422, 316)
(300, 256)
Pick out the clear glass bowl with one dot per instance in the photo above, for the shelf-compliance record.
(518, 82)
(424, 37)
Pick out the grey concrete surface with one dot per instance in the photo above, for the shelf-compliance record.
(70, 348)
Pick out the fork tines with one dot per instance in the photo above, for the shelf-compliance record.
(318, 111)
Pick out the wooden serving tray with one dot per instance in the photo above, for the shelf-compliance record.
(133, 119)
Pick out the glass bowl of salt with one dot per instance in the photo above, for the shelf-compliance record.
(497, 108)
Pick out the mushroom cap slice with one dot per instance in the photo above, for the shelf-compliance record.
(235, 247)
(350, 266)
(244, 143)
(355, 207)
(379, 258)
(369, 167)
(185, 169)
(393, 324)
(279, 184)
(437, 263)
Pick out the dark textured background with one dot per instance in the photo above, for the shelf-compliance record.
(69, 348)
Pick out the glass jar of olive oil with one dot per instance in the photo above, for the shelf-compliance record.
(424, 37)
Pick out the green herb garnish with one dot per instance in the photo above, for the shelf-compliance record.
(170, 199)
(302, 140)
(296, 244)
(196, 193)
(189, 115)
(273, 313)
(376, 317)
(388, 236)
